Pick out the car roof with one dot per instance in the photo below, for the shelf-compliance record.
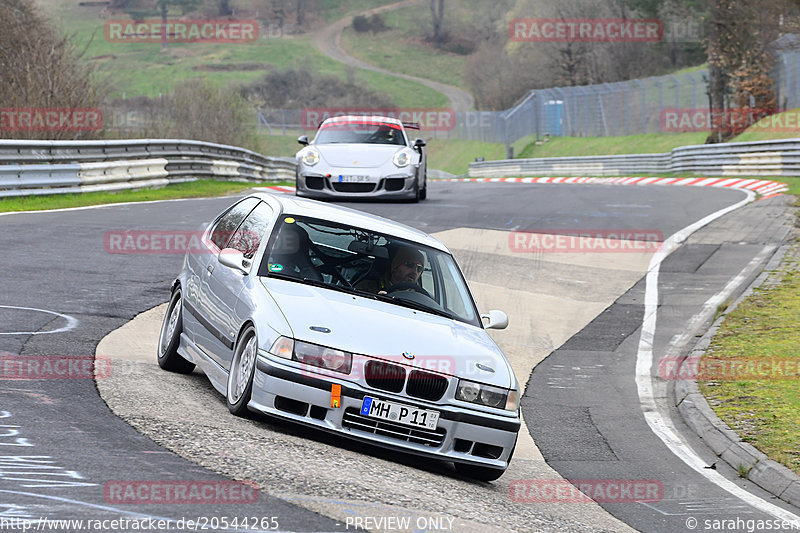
(311, 208)
(366, 118)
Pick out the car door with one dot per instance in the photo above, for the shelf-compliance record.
(227, 299)
(205, 331)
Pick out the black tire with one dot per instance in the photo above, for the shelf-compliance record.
(423, 194)
(170, 338)
(240, 377)
(416, 197)
(480, 473)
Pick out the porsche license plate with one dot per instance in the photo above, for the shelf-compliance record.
(354, 179)
(397, 412)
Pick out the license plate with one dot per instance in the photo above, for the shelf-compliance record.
(397, 412)
(355, 179)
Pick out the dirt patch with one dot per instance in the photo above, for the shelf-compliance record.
(228, 67)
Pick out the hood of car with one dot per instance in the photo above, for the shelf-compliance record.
(387, 331)
(357, 155)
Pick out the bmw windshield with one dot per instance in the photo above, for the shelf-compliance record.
(345, 258)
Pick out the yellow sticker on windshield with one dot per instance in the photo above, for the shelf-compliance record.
(289, 220)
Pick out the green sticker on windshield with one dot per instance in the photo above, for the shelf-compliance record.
(275, 267)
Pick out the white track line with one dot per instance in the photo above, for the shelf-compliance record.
(659, 421)
(72, 322)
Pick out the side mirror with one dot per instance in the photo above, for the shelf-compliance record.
(303, 140)
(497, 319)
(233, 259)
(419, 144)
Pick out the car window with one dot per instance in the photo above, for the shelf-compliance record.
(247, 237)
(454, 297)
(225, 226)
(360, 131)
(353, 259)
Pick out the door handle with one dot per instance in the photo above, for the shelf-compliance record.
(210, 269)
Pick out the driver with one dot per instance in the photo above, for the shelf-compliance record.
(407, 265)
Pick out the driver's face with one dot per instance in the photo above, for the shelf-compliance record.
(407, 272)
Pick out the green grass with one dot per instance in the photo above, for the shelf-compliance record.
(765, 411)
(784, 125)
(194, 189)
(143, 69)
(278, 145)
(792, 182)
(629, 144)
(454, 155)
(402, 48)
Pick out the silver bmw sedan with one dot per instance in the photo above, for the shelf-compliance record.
(348, 323)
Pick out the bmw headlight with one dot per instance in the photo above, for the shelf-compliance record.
(401, 159)
(469, 391)
(313, 354)
(311, 157)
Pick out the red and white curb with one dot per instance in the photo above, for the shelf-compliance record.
(763, 187)
(276, 188)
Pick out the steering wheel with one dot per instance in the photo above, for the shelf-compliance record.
(406, 286)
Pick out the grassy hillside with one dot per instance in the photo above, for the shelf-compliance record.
(143, 69)
(784, 125)
(629, 144)
(402, 47)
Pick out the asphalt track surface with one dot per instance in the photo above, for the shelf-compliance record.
(60, 445)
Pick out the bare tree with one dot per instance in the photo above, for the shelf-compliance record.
(42, 69)
(437, 14)
(199, 110)
(225, 8)
(300, 13)
(739, 57)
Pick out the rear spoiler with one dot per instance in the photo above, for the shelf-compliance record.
(411, 125)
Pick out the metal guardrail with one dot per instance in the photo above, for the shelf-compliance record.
(53, 167)
(760, 158)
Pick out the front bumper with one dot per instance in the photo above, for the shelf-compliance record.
(315, 185)
(462, 435)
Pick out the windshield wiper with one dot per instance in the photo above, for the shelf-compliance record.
(309, 281)
(416, 305)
